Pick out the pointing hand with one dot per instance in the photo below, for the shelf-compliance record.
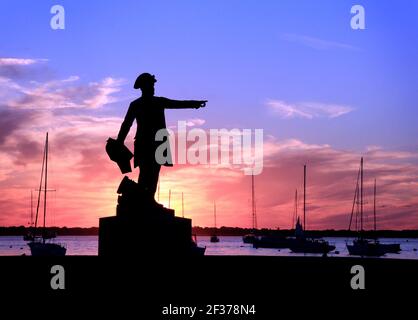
(201, 103)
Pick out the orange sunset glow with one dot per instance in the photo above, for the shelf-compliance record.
(85, 180)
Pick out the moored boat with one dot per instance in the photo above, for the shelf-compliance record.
(214, 238)
(40, 245)
(303, 244)
(362, 246)
(252, 237)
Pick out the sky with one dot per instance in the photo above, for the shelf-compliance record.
(323, 93)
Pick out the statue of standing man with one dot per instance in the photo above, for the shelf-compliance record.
(148, 110)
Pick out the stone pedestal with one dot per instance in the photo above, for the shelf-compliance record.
(147, 234)
(143, 228)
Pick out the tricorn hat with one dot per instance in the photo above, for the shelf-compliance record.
(120, 154)
(144, 78)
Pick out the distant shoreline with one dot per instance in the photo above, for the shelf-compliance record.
(224, 231)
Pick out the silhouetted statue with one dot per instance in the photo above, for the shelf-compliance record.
(148, 110)
(137, 209)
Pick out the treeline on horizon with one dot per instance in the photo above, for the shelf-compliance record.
(225, 231)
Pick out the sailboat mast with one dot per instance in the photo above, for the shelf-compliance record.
(296, 209)
(255, 214)
(182, 204)
(374, 205)
(31, 208)
(214, 212)
(46, 177)
(253, 201)
(357, 208)
(361, 194)
(304, 197)
(39, 190)
(355, 201)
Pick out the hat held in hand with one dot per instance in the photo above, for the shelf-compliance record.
(120, 154)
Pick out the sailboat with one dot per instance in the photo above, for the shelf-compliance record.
(251, 237)
(362, 246)
(302, 244)
(278, 241)
(387, 247)
(29, 234)
(38, 244)
(214, 237)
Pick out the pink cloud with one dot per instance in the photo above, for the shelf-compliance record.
(19, 61)
(307, 110)
(86, 180)
(65, 93)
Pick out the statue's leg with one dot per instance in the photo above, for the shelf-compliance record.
(148, 178)
(154, 175)
(142, 181)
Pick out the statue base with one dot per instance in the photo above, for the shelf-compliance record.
(142, 227)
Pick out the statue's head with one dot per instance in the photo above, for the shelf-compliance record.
(145, 82)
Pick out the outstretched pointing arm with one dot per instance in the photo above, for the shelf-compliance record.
(126, 124)
(184, 104)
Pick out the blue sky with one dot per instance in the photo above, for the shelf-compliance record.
(239, 55)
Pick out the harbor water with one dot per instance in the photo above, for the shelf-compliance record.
(88, 245)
